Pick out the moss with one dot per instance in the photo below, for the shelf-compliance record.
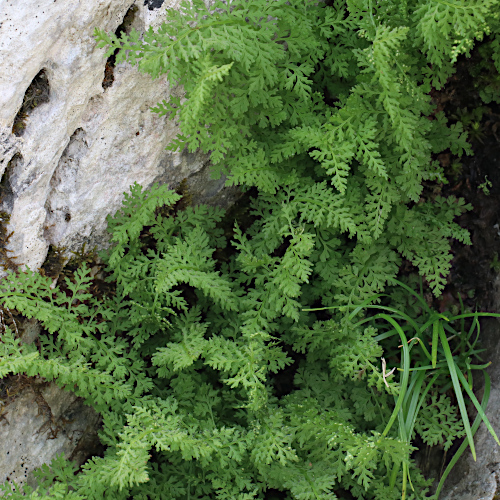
(7, 261)
(83, 256)
(187, 197)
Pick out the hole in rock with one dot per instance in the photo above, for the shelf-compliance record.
(37, 93)
(153, 4)
(124, 28)
(6, 191)
(6, 206)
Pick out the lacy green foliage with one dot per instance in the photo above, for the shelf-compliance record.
(331, 101)
(212, 378)
(66, 354)
(438, 422)
(182, 364)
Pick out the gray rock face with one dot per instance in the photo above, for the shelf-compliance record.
(41, 422)
(76, 131)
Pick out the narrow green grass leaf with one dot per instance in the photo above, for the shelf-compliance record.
(406, 373)
(475, 323)
(413, 411)
(428, 367)
(363, 305)
(463, 446)
(435, 342)
(480, 411)
(476, 314)
(405, 473)
(394, 475)
(384, 335)
(458, 390)
(435, 317)
(480, 367)
(402, 315)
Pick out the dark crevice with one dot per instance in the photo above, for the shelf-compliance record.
(54, 262)
(68, 164)
(6, 191)
(124, 28)
(6, 205)
(37, 93)
(153, 4)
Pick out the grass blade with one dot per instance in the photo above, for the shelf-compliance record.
(457, 388)
(406, 372)
(411, 425)
(412, 409)
(435, 342)
(357, 308)
(463, 446)
(441, 364)
(395, 312)
(475, 314)
(364, 304)
(480, 411)
(384, 335)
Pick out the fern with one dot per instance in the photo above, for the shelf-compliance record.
(264, 119)
(204, 406)
(441, 426)
(213, 372)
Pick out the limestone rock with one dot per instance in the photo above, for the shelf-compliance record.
(39, 423)
(75, 130)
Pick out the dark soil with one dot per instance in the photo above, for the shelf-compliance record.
(475, 178)
(475, 267)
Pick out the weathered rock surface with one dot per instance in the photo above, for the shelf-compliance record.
(84, 130)
(41, 422)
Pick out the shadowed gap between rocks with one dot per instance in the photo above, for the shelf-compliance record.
(7, 261)
(123, 28)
